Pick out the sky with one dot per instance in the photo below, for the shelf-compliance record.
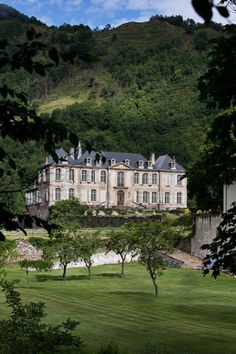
(101, 12)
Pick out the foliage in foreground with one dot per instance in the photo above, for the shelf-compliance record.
(24, 331)
(223, 247)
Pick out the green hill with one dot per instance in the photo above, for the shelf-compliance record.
(140, 95)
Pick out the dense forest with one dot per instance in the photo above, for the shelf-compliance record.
(131, 88)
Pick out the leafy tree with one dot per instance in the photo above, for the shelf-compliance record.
(217, 163)
(7, 252)
(65, 211)
(19, 121)
(39, 265)
(23, 332)
(122, 243)
(223, 247)
(151, 240)
(65, 247)
(88, 244)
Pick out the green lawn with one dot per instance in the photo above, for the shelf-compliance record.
(192, 314)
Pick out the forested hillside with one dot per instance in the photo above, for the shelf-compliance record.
(137, 93)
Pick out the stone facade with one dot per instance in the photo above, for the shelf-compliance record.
(121, 180)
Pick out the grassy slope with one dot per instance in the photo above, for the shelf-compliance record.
(192, 315)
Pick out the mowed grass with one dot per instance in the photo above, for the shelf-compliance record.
(192, 314)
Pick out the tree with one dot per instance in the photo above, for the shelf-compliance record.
(65, 247)
(20, 122)
(204, 8)
(23, 332)
(151, 240)
(67, 211)
(7, 252)
(122, 243)
(39, 265)
(223, 247)
(88, 243)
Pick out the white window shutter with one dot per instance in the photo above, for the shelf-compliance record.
(171, 198)
(149, 179)
(102, 196)
(89, 176)
(84, 195)
(140, 179)
(88, 195)
(175, 198)
(158, 198)
(140, 197)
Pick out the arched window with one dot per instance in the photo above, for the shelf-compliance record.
(145, 178)
(120, 179)
(93, 195)
(154, 197)
(103, 176)
(93, 176)
(58, 174)
(154, 178)
(71, 193)
(84, 175)
(145, 197)
(71, 175)
(136, 178)
(167, 197)
(179, 198)
(58, 194)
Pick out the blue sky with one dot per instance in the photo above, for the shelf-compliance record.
(101, 12)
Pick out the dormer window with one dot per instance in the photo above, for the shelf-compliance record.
(150, 164)
(113, 161)
(89, 161)
(127, 162)
(173, 165)
(140, 163)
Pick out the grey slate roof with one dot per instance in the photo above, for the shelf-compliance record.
(163, 163)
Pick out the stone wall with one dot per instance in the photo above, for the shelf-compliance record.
(113, 221)
(205, 232)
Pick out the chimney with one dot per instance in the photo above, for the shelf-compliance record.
(72, 153)
(46, 160)
(78, 151)
(153, 158)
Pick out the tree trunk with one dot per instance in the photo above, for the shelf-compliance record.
(27, 277)
(155, 286)
(89, 271)
(122, 273)
(64, 271)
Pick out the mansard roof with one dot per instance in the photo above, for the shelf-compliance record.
(107, 156)
(163, 163)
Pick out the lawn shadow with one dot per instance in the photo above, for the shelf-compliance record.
(133, 294)
(46, 277)
(109, 275)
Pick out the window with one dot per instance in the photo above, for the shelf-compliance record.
(149, 164)
(145, 197)
(84, 175)
(167, 197)
(154, 197)
(179, 198)
(113, 161)
(71, 175)
(137, 197)
(58, 174)
(136, 178)
(140, 163)
(93, 195)
(58, 194)
(71, 193)
(120, 179)
(89, 161)
(167, 180)
(179, 180)
(127, 162)
(154, 178)
(145, 178)
(103, 176)
(93, 176)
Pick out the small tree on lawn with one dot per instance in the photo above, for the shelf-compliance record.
(65, 248)
(122, 243)
(39, 265)
(151, 240)
(88, 243)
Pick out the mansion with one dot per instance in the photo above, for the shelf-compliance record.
(109, 179)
